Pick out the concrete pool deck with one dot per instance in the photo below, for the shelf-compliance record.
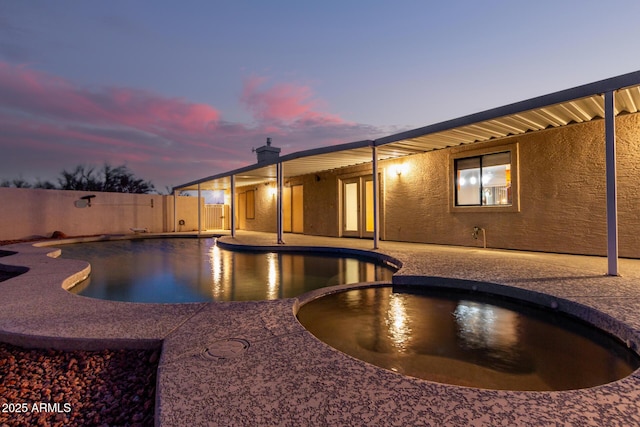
(252, 363)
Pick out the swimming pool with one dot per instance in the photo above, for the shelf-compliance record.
(469, 339)
(179, 270)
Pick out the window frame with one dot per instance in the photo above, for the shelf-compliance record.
(479, 152)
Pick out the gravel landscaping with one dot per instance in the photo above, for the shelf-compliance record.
(62, 388)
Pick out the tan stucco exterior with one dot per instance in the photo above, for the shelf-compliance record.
(265, 208)
(560, 204)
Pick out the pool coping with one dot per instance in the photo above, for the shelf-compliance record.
(282, 353)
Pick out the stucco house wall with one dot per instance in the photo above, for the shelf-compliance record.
(322, 202)
(265, 208)
(561, 189)
(628, 155)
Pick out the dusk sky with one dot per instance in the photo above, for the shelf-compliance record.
(181, 90)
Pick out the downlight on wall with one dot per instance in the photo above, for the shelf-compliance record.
(398, 170)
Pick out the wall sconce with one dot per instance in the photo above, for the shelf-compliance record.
(399, 169)
(273, 191)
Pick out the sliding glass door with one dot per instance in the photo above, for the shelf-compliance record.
(357, 207)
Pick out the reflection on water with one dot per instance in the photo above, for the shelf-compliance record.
(398, 323)
(455, 339)
(485, 325)
(272, 277)
(491, 334)
(192, 270)
(216, 272)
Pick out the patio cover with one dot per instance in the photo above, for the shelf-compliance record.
(577, 105)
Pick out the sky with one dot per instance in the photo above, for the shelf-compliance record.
(178, 91)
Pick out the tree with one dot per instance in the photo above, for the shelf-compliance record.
(114, 179)
(119, 180)
(16, 183)
(79, 179)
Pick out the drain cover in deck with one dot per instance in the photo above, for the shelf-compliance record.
(225, 349)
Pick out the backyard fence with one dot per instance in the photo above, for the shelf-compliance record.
(28, 213)
(216, 217)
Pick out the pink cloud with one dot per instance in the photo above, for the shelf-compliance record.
(283, 102)
(48, 124)
(52, 97)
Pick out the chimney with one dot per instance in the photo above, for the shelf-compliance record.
(267, 152)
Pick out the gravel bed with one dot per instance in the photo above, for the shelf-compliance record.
(77, 388)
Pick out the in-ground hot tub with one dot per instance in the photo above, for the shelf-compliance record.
(468, 338)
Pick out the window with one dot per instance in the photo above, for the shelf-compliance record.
(484, 180)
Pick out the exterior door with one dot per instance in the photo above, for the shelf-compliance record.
(367, 194)
(241, 210)
(292, 209)
(357, 207)
(297, 209)
(286, 209)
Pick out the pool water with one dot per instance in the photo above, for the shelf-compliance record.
(178, 270)
(468, 339)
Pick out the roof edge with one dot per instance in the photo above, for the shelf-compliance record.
(285, 158)
(599, 87)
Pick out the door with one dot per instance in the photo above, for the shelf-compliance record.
(357, 207)
(367, 219)
(297, 209)
(292, 209)
(241, 211)
(286, 209)
(351, 226)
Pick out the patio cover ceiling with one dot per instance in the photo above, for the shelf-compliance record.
(300, 163)
(577, 105)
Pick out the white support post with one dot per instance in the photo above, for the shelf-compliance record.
(279, 216)
(199, 211)
(376, 201)
(233, 206)
(175, 211)
(612, 185)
